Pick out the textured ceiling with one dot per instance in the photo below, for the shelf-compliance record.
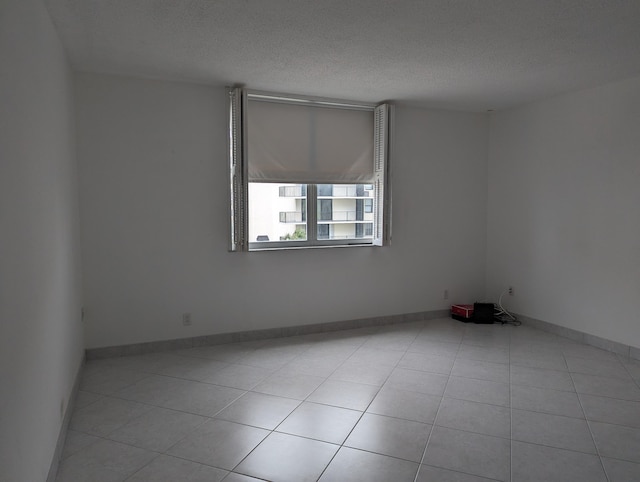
(459, 54)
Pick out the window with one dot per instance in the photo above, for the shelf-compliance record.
(306, 172)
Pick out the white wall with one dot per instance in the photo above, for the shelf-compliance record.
(564, 200)
(154, 213)
(41, 344)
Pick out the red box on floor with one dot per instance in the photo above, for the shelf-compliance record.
(462, 311)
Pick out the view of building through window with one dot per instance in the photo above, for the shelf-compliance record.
(278, 212)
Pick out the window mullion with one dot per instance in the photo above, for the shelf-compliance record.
(312, 213)
(236, 103)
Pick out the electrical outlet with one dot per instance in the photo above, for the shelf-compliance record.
(446, 294)
(186, 319)
(511, 290)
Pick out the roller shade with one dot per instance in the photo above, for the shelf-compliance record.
(309, 143)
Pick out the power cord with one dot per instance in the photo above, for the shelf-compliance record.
(502, 315)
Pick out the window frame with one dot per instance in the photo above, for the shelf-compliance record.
(237, 98)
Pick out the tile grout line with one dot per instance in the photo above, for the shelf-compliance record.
(510, 417)
(145, 465)
(435, 418)
(366, 340)
(166, 451)
(301, 402)
(207, 417)
(593, 439)
(626, 368)
(158, 453)
(368, 405)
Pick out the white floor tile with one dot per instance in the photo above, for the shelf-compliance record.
(535, 463)
(475, 417)
(552, 430)
(104, 461)
(172, 469)
(158, 429)
(470, 453)
(395, 437)
(471, 403)
(415, 406)
(219, 443)
(285, 458)
(351, 465)
(106, 415)
(259, 410)
(356, 396)
(320, 422)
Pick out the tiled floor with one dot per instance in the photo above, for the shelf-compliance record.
(431, 401)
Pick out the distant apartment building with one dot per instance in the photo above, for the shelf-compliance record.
(278, 212)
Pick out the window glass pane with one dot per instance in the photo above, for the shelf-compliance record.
(342, 211)
(325, 190)
(277, 212)
(323, 231)
(368, 229)
(359, 209)
(325, 210)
